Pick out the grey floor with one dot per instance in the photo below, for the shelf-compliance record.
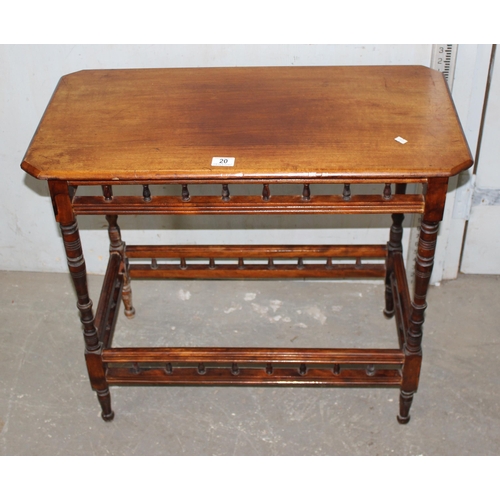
(48, 408)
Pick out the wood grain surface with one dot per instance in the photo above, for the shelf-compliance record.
(279, 123)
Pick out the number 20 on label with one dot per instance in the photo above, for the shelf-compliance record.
(218, 161)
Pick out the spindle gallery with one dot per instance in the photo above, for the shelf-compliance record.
(326, 133)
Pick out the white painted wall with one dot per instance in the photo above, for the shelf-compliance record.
(481, 253)
(29, 73)
(468, 90)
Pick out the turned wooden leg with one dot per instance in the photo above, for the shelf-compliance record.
(413, 344)
(405, 400)
(93, 347)
(118, 246)
(394, 245)
(104, 398)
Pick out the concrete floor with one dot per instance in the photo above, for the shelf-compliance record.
(48, 408)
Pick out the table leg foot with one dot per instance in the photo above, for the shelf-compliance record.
(130, 314)
(405, 401)
(108, 417)
(388, 313)
(403, 420)
(104, 398)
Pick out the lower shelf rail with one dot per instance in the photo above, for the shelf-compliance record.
(258, 261)
(254, 366)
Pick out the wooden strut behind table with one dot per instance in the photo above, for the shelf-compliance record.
(333, 367)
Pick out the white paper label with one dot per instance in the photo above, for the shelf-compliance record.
(401, 140)
(224, 161)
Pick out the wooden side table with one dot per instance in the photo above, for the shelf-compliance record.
(337, 126)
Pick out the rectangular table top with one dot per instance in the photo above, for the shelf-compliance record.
(277, 123)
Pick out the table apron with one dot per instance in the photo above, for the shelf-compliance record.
(247, 205)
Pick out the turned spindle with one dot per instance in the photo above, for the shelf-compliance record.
(169, 369)
(107, 192)
(269, 369)
(346, 193)
(235, 369)
(302, 369)
(300, 263)
(270, 264)
(183, 263)
(225, 192)
(185, 193)
(336, 369)
(201, 369)
(154, 264)
(387, 192)
(241, 263)
(370, 370)
(266, 192)
(306, 193)
(146, 193)
(394, 245)
(76, 264)
(211, 263)
(413, 341)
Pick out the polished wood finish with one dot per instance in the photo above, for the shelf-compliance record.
(394, 245)
(247, 205)
(299, 126)
(286, 261)
(284, 123)
(60, 194)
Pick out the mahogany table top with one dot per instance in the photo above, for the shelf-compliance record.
(278, 123)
